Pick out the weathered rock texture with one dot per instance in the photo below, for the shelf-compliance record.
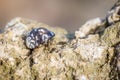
(93, 55)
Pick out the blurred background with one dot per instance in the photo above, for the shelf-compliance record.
(69, 14)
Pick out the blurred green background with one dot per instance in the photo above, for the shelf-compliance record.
(69, 14)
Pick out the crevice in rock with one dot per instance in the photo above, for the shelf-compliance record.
(1, 62)
(12, 78)
(11, 72)
(31, 62)
(35, 77)
(31, 58)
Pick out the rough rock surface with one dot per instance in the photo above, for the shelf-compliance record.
(16, 60)
(62, 59)
(92, 56)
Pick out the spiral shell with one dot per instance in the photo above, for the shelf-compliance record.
(38, 36)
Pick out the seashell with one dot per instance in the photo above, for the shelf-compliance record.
(38, 36)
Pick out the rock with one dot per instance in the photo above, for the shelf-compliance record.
(115, 63)
(15, 60)
(90, 27)
(94, 58)
(113, 15)
(111, 35)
